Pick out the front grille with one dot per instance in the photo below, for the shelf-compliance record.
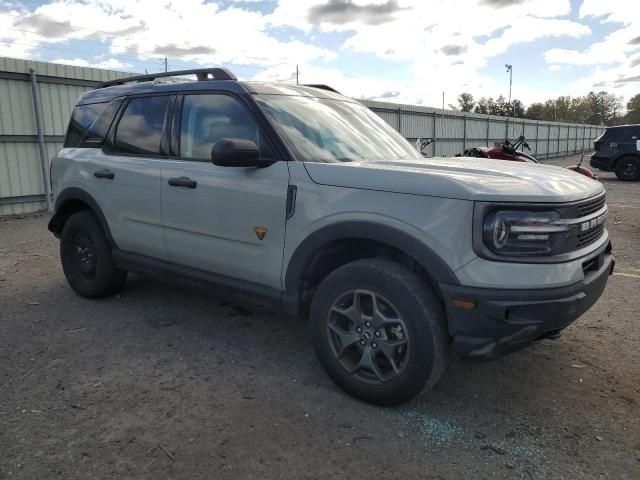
(591, 206)
(590, 236)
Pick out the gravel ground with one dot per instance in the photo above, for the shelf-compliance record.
(166, 382)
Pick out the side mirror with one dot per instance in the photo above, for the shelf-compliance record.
(237, 152)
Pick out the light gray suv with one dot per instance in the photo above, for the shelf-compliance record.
(300, 198)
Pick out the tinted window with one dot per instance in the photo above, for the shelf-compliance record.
(82, 118)
(209, 118)
(140, 128)
(620, 134)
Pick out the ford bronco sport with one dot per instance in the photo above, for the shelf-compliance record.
(618, 150)
(298, 197)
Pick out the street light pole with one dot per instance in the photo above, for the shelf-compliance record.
(510, 72)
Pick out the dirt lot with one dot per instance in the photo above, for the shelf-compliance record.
(165, 382)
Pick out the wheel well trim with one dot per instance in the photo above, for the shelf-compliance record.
(349, 230)
(74, 193)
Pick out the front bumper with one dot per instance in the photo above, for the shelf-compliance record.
(602, 163)
(489, 323)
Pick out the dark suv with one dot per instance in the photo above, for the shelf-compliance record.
(618, 150)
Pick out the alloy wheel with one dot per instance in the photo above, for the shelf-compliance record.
(368, 336)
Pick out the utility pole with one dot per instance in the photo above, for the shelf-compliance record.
(166, 67)
(443, 103)
(510, 72)
(297, 75)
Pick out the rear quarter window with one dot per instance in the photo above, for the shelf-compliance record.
(81, 119)
(90, 123)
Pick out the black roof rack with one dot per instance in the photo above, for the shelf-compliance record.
(201, 74)
(321, 87)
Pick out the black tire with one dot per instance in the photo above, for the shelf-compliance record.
(628, 169)
(86, 257)
(404, 296)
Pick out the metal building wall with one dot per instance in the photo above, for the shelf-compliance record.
(21, 182)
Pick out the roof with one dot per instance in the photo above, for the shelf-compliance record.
(108, 93)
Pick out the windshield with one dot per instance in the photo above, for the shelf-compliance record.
(325, 130)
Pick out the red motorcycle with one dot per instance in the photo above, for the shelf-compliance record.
(509, 151)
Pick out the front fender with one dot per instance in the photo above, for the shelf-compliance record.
(402, 241)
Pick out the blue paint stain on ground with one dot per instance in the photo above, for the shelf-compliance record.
(438, 431)
(521, 449)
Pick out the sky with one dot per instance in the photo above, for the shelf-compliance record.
(405, 51)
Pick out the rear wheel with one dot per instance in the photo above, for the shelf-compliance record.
(628, 169)
(379, 331)
(86, 257)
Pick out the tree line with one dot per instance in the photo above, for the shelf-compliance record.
(599, 108)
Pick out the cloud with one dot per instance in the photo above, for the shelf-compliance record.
(628, 79)
(346, 11)
(109, 64)
(634, 41)
(192, 30)
(501, 3)
(45, 26)
(453, 49)
(172, 50)
(412, 38)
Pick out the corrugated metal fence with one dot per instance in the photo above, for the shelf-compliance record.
(21, 180)
(454, 131)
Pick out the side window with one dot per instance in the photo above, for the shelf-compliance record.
(209, 118)
(82, 118)
(619, 134)
(140, 128)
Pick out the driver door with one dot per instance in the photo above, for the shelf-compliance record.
(224, 220)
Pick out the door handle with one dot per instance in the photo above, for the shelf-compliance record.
(104, 174)
(183, 182)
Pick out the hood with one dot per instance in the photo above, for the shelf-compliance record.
(463, 178)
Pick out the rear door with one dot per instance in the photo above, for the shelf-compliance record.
(224, 220)
(126, 174)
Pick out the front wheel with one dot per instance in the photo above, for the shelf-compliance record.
(628, 169)
(379, 331)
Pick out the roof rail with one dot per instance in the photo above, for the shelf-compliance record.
(321, 87)
(201, 74)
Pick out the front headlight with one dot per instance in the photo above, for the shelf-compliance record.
(516, 233)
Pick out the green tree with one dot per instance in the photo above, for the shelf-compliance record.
(482, 106)
(517, 108)
(466, 102)
(535, 111)
(633, 110)
(606, 108)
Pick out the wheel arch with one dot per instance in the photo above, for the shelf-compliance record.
(332, 246)
(72, 200)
